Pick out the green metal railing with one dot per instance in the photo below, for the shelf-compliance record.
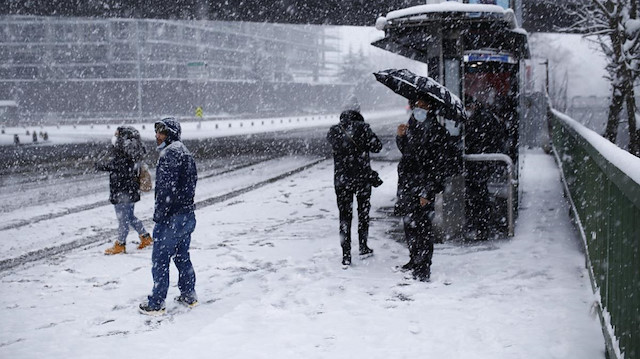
(603, 185)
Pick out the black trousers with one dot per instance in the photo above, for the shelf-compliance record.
(478, 210)
(418, 231)
(344, 197)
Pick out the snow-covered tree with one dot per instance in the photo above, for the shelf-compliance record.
(615, 26)
(354, 67)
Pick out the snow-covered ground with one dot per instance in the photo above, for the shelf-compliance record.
(271, 285)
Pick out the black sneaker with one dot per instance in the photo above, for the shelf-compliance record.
(407, 266)
(145, 309)
(186, 301)
(366, 251)
(423, 275)
(346, 260)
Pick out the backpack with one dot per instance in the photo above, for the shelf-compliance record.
(144, 177)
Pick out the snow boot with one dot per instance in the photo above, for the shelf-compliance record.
(116, 249)
(366, 251)
(186, 301)
(145, 309)
(408, 266)
(145, 240)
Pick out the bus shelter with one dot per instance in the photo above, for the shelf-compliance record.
(477, 51)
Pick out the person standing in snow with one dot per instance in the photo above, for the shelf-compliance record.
(423, 167)
(352, 140)
(124, 187)
(484, 133)
(176, 177)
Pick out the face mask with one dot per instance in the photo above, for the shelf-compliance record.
(161, 146)
(114, 139)
(420, 114)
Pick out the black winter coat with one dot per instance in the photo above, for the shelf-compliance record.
(123, 181)
(426, 162)
(485, 133)
(352, 140)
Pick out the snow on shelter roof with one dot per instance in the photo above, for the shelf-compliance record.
(449, 6)
(411, 31)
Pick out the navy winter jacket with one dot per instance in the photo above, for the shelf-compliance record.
(176, 177)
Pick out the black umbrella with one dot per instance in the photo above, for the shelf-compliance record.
(406, 83)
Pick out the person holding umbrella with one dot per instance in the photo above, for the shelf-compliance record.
(428, 158)
(421, 172)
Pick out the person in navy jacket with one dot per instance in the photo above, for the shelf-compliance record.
(176, 177)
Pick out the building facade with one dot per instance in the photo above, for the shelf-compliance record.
(79, 67)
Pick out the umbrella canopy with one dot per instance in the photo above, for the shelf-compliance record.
(407, 84)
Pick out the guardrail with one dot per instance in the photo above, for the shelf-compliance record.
(603, 184)
(500, 157)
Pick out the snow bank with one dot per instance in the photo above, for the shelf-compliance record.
(67, 134)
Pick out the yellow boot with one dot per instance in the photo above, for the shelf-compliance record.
(145, 240)
(116, 249)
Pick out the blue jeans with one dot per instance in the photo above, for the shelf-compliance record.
(124, 212)
(172, 240)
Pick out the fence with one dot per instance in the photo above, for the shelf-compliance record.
(603, 183)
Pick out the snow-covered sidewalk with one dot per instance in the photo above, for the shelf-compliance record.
(271, 286)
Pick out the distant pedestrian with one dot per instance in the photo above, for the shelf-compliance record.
(124, 187)
(424, 165)
(176, 177)
(352, 140)
(16, 139)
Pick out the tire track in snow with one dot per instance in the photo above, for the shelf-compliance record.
(98, 238)
(90, 206)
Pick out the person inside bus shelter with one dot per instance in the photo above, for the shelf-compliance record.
(484, 133)
(425, 163)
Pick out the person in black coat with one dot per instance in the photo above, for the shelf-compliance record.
(425, 163)
(124, 190)
(352, 140)
(484, 133)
